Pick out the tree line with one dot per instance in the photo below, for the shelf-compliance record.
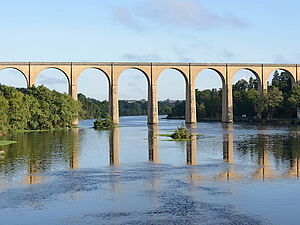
(280, 101)
(35, 108)
(92, 108)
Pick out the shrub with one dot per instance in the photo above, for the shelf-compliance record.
(104, 124)
(181, 133)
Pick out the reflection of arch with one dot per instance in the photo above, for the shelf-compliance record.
(19, 70)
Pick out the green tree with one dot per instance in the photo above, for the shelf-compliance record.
(4, 125)
(241, 85)
(294, 99)
(267, 103)
(282, 80)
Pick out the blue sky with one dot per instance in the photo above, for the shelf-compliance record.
(147, 30)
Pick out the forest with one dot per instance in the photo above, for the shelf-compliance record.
(92, 108)
(35, 108)
(279, 102)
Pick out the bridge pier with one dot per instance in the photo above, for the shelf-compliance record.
(227, 103)
(152, 103)
(114, 102)
(190, 103)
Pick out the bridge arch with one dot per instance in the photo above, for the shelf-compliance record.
(196, 71)
(121, 71)
(291, 74)
(176, 97)
(133, 90)
(269, 70)
(93, 68)
(248, 73)
(210, 84)
(17, 72)
(93, 75)
(255, 70)
(53, 81)
(245, 84)
(169, 72)
(216, 71)
(181, 71)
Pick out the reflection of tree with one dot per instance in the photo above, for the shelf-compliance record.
(285, 148)
(38, 152)
(294, 158)
(114, 146)
(294, 170)
(153, 143)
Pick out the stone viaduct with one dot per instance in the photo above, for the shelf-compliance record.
(189, 71)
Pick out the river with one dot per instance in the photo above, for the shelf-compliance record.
(230, 174)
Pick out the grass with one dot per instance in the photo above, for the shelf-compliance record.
(177, 140)
(3, 143)
(165, 135)
(184, 139)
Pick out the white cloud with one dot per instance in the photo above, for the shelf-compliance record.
(141, 57)
(47, 79)
(177, 13)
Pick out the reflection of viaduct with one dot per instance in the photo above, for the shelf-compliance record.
(152, 71)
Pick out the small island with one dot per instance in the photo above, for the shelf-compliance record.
(104, 124)
(181, 133)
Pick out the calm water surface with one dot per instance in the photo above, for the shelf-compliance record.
(234, 174)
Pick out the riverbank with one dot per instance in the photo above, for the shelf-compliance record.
(291, 121)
